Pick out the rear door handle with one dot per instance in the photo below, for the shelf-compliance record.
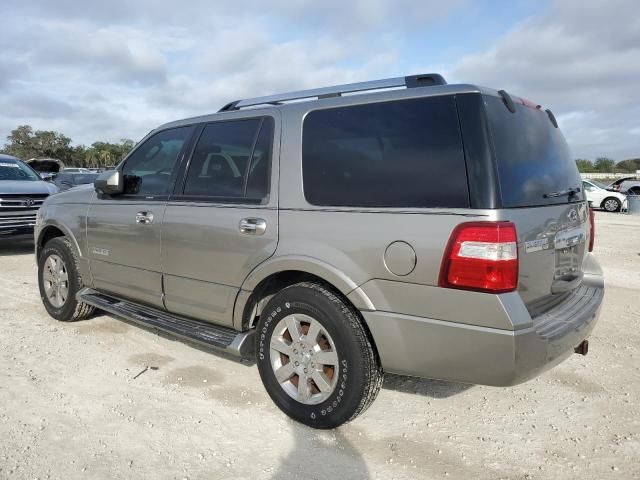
(144, 218)
(253, 226)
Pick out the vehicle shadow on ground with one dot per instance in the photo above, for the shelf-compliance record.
(321, 454)
(16, 246)
(423, 386)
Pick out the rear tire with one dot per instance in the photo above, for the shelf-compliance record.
(310, 326)
(611, 204)
(59, 281)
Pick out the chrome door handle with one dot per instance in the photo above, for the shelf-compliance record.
(253, 226)
(144, 218)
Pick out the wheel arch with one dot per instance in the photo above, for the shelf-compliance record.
(272, 276)
(610, 197)
(53, 230)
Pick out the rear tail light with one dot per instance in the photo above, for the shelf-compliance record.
(481, 256)
(592, 224)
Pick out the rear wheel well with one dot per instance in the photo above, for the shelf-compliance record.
(271, 285)
(275, 282)
(47, 234)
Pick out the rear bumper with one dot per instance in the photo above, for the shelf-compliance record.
(425, 347)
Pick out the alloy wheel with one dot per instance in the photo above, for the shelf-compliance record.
(304, 359)
(56, 281)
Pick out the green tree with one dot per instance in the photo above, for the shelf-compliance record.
(629, 166)
(24, 143)
(101, 154)
(584, 165)
(605, 165)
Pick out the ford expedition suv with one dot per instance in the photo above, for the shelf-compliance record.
(401, 225)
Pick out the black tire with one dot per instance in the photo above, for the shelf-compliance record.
(360, 375)
(71, 310)
(611, 204)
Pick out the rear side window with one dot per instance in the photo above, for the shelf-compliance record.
(405, 153)
(232, 160)
(533, 157)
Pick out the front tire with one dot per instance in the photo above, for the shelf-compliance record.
(315, 357)
(59, 281)
(611, 204)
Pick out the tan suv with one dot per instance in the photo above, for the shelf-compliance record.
(400, 225)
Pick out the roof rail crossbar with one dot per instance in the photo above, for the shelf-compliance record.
(412, 81)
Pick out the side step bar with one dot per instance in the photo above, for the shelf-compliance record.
(238, 344)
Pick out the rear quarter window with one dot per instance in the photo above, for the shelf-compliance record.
(532, 156)
(405, 153)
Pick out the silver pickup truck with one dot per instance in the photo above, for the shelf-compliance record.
(401, 225)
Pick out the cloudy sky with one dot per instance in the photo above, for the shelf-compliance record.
(115, 69)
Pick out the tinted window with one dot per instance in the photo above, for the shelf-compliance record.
(232, 160)
(84, 178)
(395, 154)
(148, 170)
(16, 170)
(533, 156)
(63, 180)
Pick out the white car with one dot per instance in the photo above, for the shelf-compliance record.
(599, 197)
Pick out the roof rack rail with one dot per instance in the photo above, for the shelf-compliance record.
(411, 81)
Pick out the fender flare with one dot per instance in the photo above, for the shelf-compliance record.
(301, 263)
(67, 233)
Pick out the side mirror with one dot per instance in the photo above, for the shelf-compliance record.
(109, 183)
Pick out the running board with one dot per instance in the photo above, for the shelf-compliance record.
(222, 339)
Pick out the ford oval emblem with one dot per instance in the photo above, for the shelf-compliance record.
(573, 216)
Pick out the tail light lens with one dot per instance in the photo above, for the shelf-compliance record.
(592, 224)
(481, 256)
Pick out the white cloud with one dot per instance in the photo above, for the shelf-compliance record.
(581, 59)
(116, 69)
(108, 70)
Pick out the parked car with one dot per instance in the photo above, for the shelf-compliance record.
(22, 191)
(304, 230)
(600, 197)
(76, 170)
(65, 181)
(47, 176)
(48, 168)
(627, 185)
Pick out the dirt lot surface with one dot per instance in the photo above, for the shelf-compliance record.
(70, 407)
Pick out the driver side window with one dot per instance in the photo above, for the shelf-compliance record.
(148, 170)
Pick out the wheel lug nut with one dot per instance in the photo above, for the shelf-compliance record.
(295, 351)
(296, 363)
(305, 371)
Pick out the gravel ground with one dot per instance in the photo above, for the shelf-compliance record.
(70, 407)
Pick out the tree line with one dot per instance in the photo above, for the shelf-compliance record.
(608, 165)
(25, 143)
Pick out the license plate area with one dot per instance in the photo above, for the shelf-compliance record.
(569, 248)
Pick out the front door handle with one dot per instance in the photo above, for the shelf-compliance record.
(253, 226)
(144, 218)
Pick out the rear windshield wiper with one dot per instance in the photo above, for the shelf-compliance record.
(569, 192)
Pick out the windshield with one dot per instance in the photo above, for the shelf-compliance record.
(598, 184)
(535, 165)
(16, 170)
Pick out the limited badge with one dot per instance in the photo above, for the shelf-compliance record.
(536, 245)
